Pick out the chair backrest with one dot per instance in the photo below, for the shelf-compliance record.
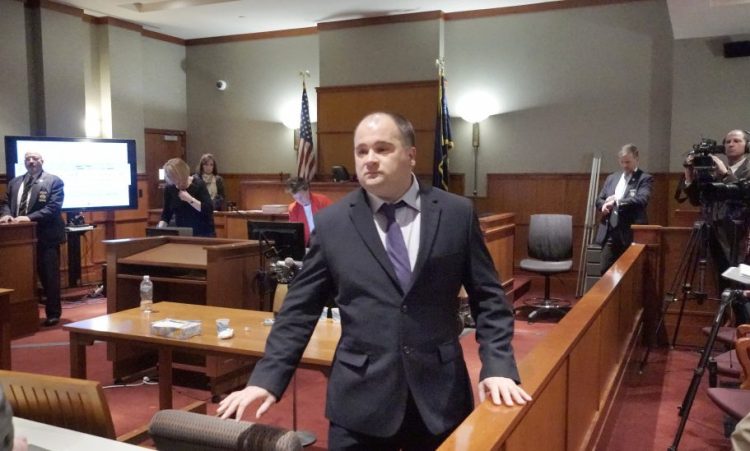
(69, 403)
(179, 430)
(550, 237)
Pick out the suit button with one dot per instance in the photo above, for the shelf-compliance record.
(404, 309)
(407, 350)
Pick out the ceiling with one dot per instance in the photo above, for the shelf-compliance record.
(192, 19)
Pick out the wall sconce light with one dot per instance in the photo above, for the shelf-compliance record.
(290, 119)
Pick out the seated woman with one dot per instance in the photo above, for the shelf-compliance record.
(305, 204)
(186, 198)
(208, 171)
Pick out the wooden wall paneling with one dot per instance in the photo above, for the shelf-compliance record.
(670, 243)
(499, 233)
(18, 272)
(232, 183)
(557, 373)
(584, 388)
(340, 109)
(5, 322)
(609, 346)
(256, 193)
(548, 410)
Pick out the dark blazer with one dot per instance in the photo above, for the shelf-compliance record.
(394, 342)
(728, 218)
(202, 222)
(631, 209)
(45, 205)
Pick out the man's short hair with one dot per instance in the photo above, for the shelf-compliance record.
(628, 149)
(405, 129)
(296, 184)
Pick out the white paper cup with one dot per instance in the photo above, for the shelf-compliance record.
(222, 324)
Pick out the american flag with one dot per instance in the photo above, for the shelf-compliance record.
(307, 161)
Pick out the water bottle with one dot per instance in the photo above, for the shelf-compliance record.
(147, 294)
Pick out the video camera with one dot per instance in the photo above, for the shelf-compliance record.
(699, 159)
(739, 190)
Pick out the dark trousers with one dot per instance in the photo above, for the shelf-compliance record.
(611, 251)
(48, 268)
(412, 435)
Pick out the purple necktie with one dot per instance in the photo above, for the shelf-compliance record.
(395, 245)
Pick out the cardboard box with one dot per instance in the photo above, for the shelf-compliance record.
(176, 328)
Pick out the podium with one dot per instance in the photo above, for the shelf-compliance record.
(18, 272)
(204, 271)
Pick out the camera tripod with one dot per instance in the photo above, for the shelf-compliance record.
(694, 259)
(727, 298)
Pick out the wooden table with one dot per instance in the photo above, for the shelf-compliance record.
(48, 437)
(133, 327)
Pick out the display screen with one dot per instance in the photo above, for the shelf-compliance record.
(99, 174)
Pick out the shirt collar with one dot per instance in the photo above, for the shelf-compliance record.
(737, 165)
(410, 197)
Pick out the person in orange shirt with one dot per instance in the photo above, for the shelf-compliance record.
(305, 204)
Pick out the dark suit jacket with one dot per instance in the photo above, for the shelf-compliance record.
(394, 342)
(45, 205)
(728, 219)
(631, 209)
(202, 222)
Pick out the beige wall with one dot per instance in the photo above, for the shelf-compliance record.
(164, 85)
(242, 125)
(380, 53)
(711, 95)
(65, 45)
(570, 83)
(14, 113)
(126, 79)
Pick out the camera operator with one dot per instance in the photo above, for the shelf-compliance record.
(622, 203)
(728, 215)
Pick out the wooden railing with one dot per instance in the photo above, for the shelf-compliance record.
(573, 374)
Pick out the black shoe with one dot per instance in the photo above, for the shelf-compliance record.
(50, 322)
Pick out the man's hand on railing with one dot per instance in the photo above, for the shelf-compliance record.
(502, 390)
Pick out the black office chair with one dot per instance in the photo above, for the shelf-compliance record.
(550, 250)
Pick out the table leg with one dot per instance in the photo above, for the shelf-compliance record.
(165, 378)
(78, 355)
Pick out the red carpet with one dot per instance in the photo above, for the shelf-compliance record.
(646, 419)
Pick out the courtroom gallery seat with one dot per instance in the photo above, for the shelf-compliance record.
(735, 402)
(75, 404)
(550, 251)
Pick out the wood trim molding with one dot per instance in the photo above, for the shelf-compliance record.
(161, 131)
(534, 8)
(162, 37)
(378, 86)
(380, 20)
(61, 8)
(294, 32)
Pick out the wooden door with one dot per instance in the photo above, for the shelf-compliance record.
(161, 145)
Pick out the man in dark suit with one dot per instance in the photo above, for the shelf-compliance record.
(727, 218)
(398, 378)
(38, 196)
(622, 202)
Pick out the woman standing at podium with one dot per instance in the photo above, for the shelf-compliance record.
(186, 198)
